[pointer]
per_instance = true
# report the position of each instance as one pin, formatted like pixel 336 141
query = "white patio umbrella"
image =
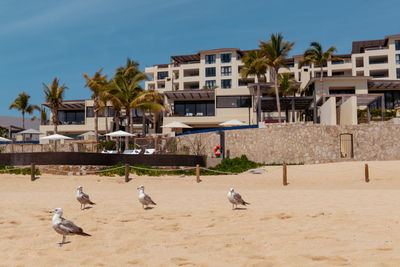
pixel 55 137
pixel 176 124
pixel 233 123
pixel 30 131
pixel 87 133
pixel 120 134
pixel 2 139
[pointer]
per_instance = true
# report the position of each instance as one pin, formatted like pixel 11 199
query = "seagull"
pixel 65 227
pixel 83 198
pixel 236 199
pixel 143 198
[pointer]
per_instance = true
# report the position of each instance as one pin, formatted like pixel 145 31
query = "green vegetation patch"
pixel 13 170
pixel 236 165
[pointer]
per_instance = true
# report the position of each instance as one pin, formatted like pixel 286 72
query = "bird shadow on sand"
pixel 66 242
pixel 240 209
pixel 149 208
pixel 87 208
pixel 129 179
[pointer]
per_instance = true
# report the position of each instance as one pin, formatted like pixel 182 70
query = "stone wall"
pixel 301 143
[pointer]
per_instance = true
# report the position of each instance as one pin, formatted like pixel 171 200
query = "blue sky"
pixel 43 39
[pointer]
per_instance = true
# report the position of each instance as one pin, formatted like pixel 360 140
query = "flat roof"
pixel 70 104
pixel 362 99
pixel 268 103
pixel 384 84
pixel 198 94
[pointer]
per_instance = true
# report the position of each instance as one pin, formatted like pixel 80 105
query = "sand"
pixel 326 216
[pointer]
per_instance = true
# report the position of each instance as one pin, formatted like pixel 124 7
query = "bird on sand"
pixel 235 199
pixel 83 198
pixel 65 227
pixel 144 199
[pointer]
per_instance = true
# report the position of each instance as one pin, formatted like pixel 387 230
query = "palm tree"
pixel 54 97
pixel 21 103
pixel 275 52
pixel 316 55
pixel 149 101
pixel 255 65
pixel 97 85
pixel 286 86
pixel 130 69
pixel 125 89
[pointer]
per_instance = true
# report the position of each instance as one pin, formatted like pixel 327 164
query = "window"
pixel 211 84
pixel 194 108
pixel 398 59
pixel 210 72
pixel 210 59
pixel 226 83
pixel 397 44
pixel 226 57
pixel 226 71
pixel 110 112
pixel 89 112
pixel 71 116
pixel 233 101
pixel 162 75
pixel 398 73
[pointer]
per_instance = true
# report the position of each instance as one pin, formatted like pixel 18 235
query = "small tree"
pixel 54 97
pixel 21 103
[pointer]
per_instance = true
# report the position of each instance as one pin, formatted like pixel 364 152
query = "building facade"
pixel 205 89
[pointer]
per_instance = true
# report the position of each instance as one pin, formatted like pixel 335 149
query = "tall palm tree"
pixel 149 101
pixel 130 69
pixel 21 103
pixel 125 89
pixel 286 86
pixel 255 65
pixel 97 85
pixel 54 97
pixel 320 58
pixel 275 52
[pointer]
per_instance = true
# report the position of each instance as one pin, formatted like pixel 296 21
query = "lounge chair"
pixel 149 151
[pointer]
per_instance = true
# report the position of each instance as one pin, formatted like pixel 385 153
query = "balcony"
pixel 378 60
pixel 379 73
pixel 191 73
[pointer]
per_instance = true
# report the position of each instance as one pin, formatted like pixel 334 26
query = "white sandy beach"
pixel 326 216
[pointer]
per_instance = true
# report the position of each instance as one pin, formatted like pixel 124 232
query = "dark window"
pixel 397 44
pixel 210 72
pixel 342 91
pixel 226 57
pixel 335 62
pixel 162 75
pixel 233 101
pixel 111 112
pixel 210 59
pixel 226 71
pixel 290 65
pixel 318 74
pixel 194 108
pixel 392 99
pixel 226 83
pixel 89 112
pixel 398 73
pixel 398 59
pixel 211 83
pixel 71 116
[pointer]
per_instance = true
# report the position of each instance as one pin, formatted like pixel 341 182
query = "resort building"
pixel 206 89
pixel 76 117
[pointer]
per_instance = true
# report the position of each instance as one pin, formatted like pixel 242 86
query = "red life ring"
pixel 217 151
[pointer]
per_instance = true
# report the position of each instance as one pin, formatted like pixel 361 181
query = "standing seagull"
pixel 143 198
pixel 65 227
pixel 236 199
pixel 83 198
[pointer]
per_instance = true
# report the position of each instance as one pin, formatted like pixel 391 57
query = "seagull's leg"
pixel 233 205
pixel 62 242
pixel 81 206
pixel 84 206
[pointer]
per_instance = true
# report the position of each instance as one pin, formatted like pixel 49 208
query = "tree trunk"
pixel 278 103
pixel 96 120
pixel 23 124
pixel 116 120
pixel 55 120
pixel 143 124
pixel 322 83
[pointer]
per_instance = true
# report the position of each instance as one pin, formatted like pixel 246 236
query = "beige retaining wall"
pixel 301 143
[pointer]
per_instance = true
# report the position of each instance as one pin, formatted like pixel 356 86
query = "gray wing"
pixel 69 227
pixel 238 199
pixel 149 200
